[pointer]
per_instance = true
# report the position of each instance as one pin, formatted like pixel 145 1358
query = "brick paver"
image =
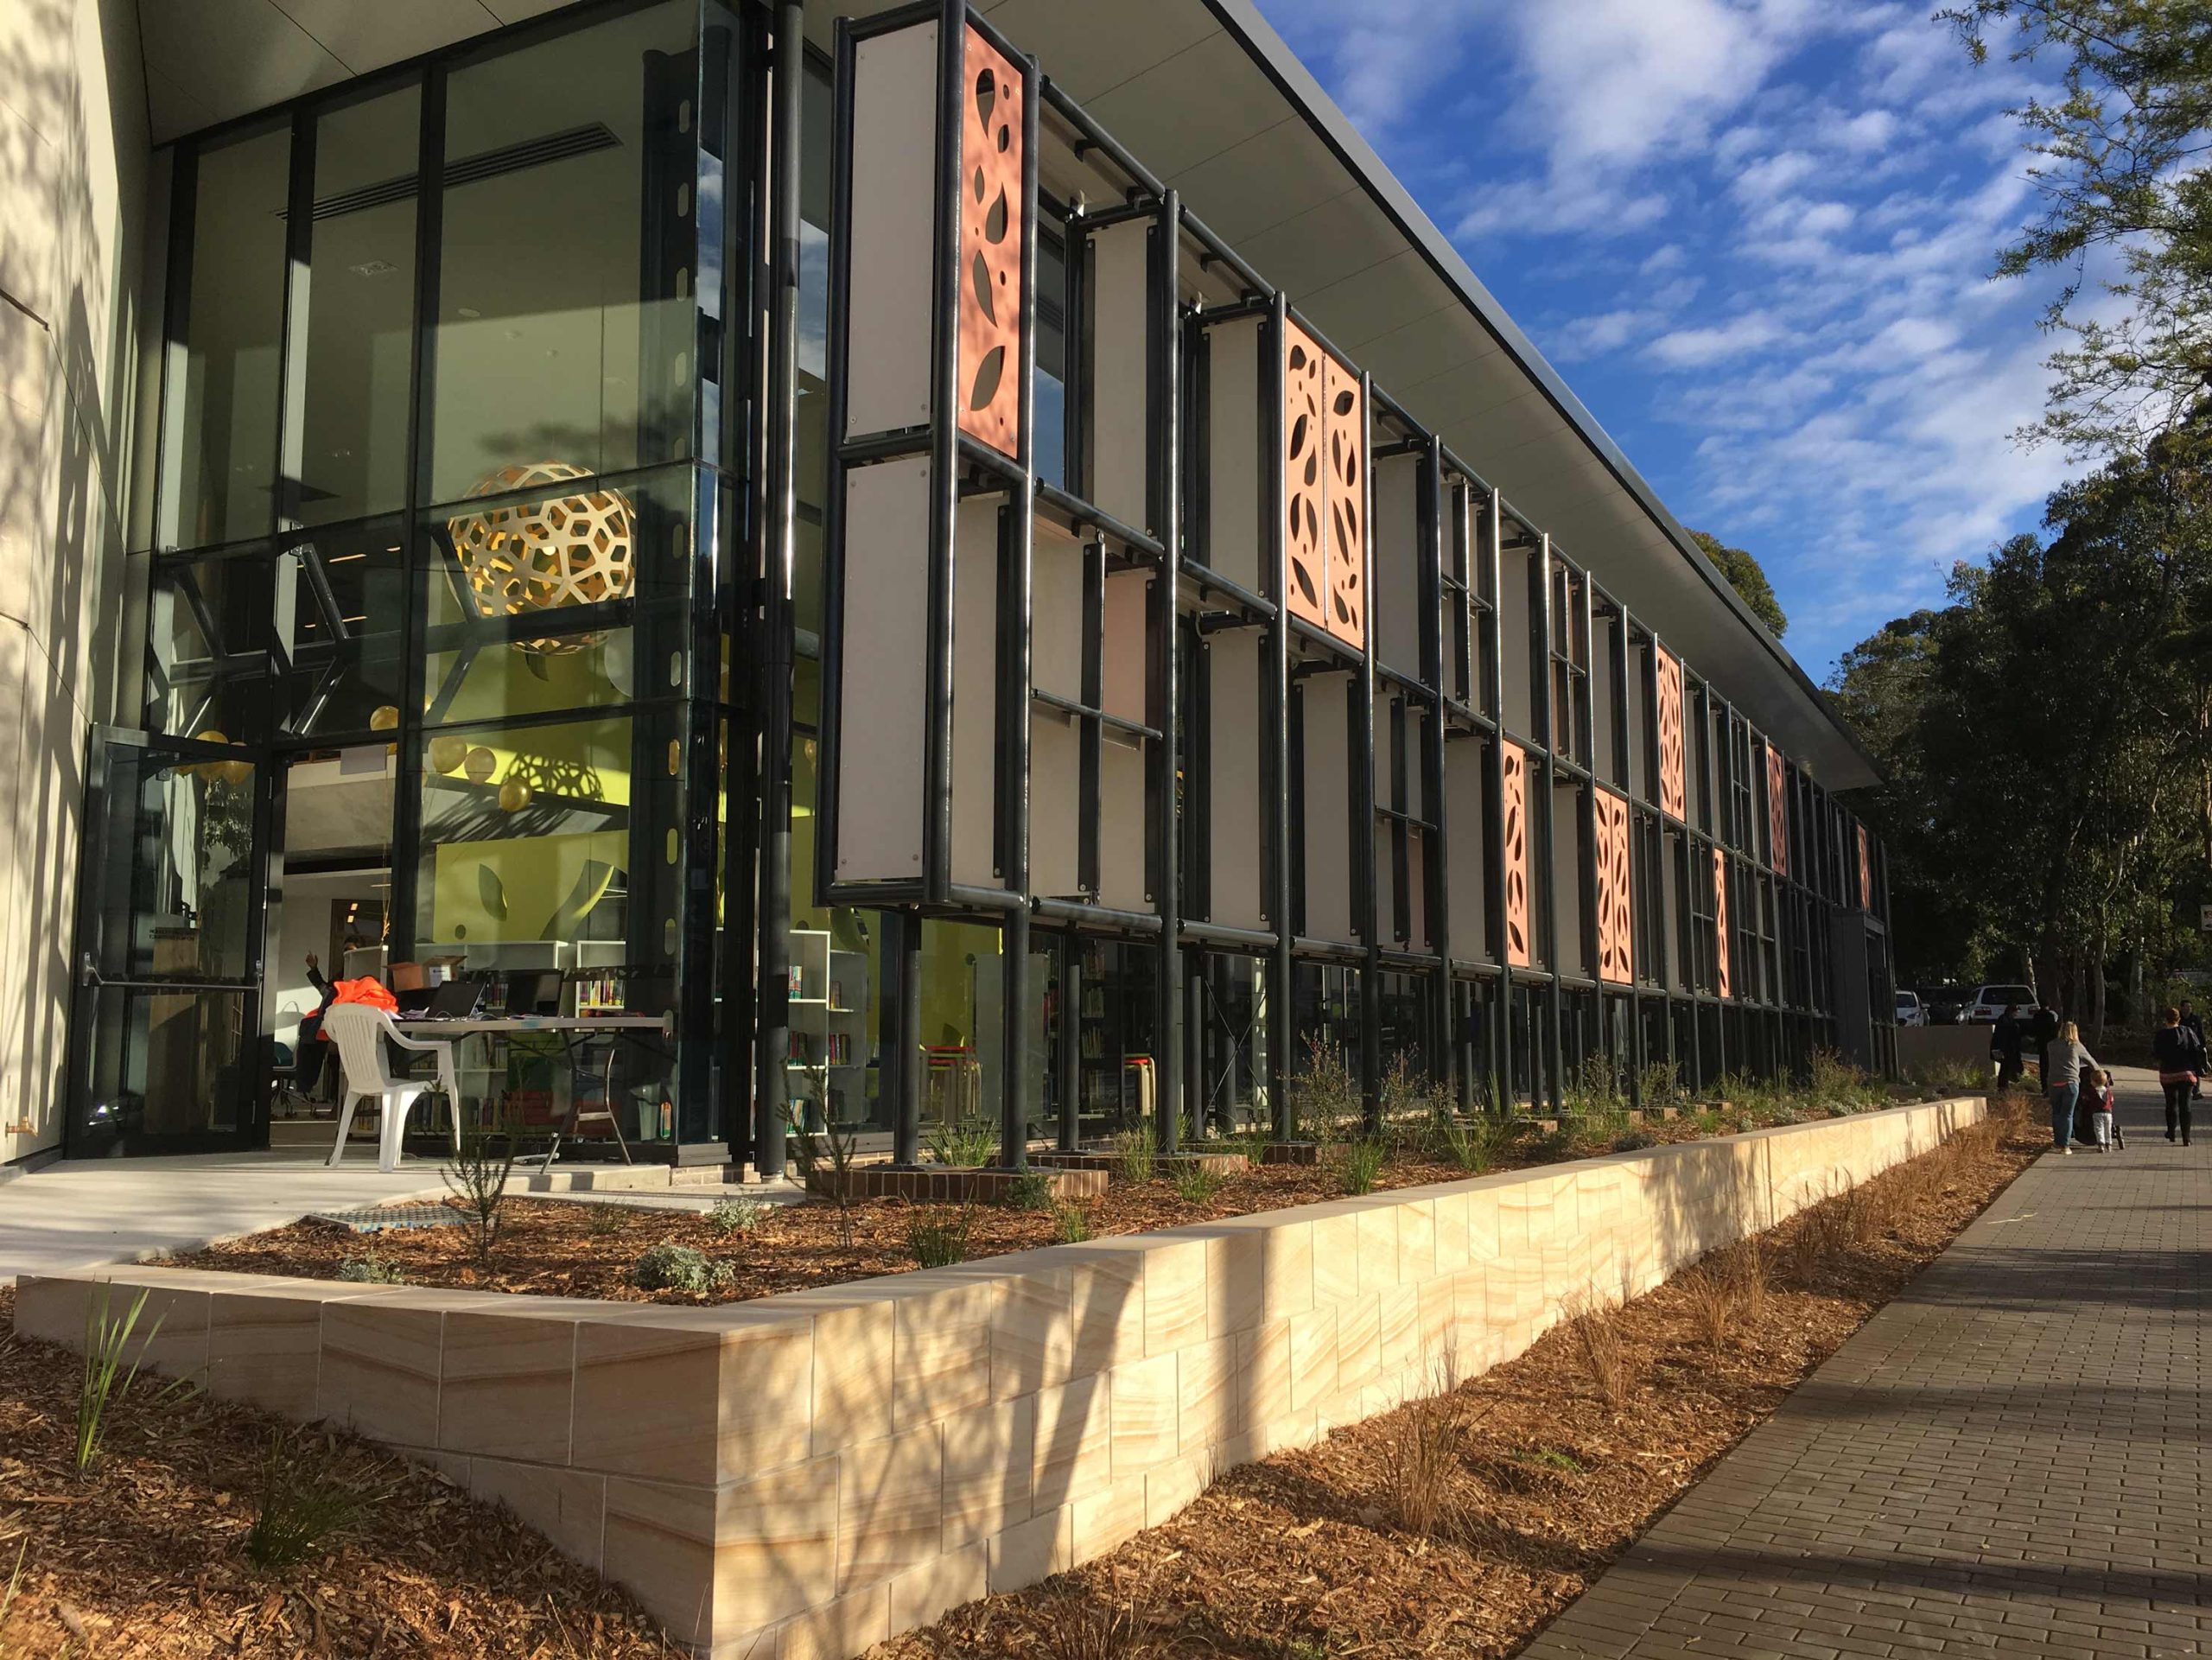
pixel 2008 1460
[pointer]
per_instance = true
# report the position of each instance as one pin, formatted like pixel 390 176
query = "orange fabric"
pixel 366 990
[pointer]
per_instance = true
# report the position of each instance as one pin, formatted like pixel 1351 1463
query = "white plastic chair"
pixel 359 1031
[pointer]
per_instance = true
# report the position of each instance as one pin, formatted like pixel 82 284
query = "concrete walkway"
pixel 2009 1459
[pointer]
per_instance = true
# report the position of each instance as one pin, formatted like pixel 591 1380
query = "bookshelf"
pixel 829 1027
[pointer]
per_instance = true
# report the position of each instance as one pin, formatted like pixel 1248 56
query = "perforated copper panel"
pixel 1778 810
pixel 1616 922
pixel 1673 799
pixel 991 217
pixel 1344 424
pixel 1865 872
pixel 1515 838
pixel 1720 921
pixel 1305 479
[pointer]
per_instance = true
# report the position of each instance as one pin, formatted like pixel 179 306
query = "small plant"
pixel 476 1176
pixel 1359 1165
pixel 605 1221
pixel 1030 1191
pixel 1324 1104
pixel 303 1508
pixel 1196 1184
pixel 1714 1298
pixel 1425 1459
pixel 1598 1340
pixel 1633 1140
pixel 371 1269
pixel 669 1266
pixel 15 1584
pixel 825 1160
pixel 1134 1159
pixel 937 1236
pixel 1658 1086
pixel 737 1216
pixel 104 1342
pixel 1550 1457
pixel 968 1145
pixel 1071 1222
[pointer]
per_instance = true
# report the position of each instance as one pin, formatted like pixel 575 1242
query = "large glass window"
pixel 566 323
pixel 341 600
pixel 359 303
pixel 221 437
pixel 207 648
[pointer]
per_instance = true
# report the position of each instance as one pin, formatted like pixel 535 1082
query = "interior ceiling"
pixel 1206 94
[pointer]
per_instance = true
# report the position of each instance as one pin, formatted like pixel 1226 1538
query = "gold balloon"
pixel 480 763
pixel 447 753
pixel 385 718
pixel 234 773
pixel 514 796
pixel 539 556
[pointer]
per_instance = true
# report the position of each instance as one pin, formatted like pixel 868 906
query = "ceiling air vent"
pixel 474 169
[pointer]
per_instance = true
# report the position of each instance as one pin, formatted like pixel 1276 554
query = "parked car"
pixel 1944 1005
pixel 1990 1003
pixel 1910 1012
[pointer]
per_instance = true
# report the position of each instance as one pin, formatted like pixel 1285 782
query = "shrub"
pixel 739 1216
pixel 1632 1140
pixel 303 1508
pixel 1714 1298
pixel 476 1176
pixel 104 1342
pixel 1657 1085
pixel 1359 1165
pixel 1196 1184
pixel 937 1236
pixel 1424 1457
pixel 1597 1333
pixel 826 1160
pixel 970 1145
pixel 669 1266
pixel 605 1221
pixel 371 1269
pixel 1594 1088
pixel 1133 1155
pixel 1071 1221
pixel 1030 1191
pixel 1324 1104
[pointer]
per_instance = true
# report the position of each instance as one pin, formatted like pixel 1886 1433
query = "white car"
pixel 1910 1012
pixel 1991 1001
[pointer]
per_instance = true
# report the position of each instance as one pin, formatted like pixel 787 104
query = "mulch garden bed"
pixel 1461 1525
pixel 147 1554
pixel 556 1248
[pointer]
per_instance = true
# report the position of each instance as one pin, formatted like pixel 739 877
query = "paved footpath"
pixel 2009 1459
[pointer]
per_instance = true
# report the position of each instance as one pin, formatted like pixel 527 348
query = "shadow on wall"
pixel 73 160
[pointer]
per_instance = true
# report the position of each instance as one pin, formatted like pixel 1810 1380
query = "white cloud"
pixel 1667 257
pixel 1686 348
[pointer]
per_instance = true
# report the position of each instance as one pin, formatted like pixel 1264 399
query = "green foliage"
pixel 1030 1191
pixel 1595 1087
pixel 1948 1077
pixel 669 1266
pixel 1475 1144
pixel 1657 1085
pixel 1071 1221
pixel 1324 1101
pixel 1550 1457
pixel 369 1268
pixel 303 1508
pixel 937 1235
pixel 1195 1184
pixel 605 1221
pixel 2119 164
pixel 968 1145
pixel 105 1341
pixel 825 1158
pixel 476 1176
pixel 1134 1157
pixel 1748 577
pixel 1359 1164
pixel 735 1216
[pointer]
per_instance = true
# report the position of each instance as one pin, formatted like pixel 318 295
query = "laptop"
pixel 414 1001
pixel 534 991
pixel 456 1000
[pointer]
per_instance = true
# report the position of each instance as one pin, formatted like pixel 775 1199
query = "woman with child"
pixel 2063 1075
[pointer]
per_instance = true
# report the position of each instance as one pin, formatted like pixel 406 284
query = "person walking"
pixel 2005 1039
pixel 2044 1030
pixel 2193 1021
pixel 2061 1082
pixel 2180 1055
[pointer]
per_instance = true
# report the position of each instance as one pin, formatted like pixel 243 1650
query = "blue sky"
pixel 1754 236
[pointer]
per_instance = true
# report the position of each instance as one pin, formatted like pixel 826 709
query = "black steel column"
pixel 1491 560
pixel 1019 1007
pixel 1546 722
pixel 1165 385
pixel 1281 1014
pixel 1437 891
pixel 780 505
pixel 1362 859
pixel 907 1040
pixel 1069 1058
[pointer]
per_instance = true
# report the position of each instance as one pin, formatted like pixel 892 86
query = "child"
pixel 2097 1101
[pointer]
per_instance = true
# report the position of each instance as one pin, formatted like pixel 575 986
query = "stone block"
pixel 1032 1550
pixel 1032 1332
pixel 1335 1259
pixel 942 1351
pixel 1074 1450
pixel 890 1506
pixel 848 1626
pixel 854 1341
pixel 990 1465
pixel 1236 1271
pixel 1286 1269
pixel 924 1594
pixel 1106 1302
pixel 567 1506
pixel 1174 1295
pixel 507 1385
pixel 1207 1407
pixel 1144 1414
pixel 379 1371
pixel 1107 1519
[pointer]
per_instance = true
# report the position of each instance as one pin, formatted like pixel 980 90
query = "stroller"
pixel 2096 1097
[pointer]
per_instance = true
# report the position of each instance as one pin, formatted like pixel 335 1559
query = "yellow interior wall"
pixel 538 874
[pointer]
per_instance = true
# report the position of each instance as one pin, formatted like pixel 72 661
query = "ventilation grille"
pixel 472 169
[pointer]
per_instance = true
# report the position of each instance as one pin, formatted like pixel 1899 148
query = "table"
pixel 493 1028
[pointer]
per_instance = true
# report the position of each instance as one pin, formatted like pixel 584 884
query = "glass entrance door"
pixel 168 1052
